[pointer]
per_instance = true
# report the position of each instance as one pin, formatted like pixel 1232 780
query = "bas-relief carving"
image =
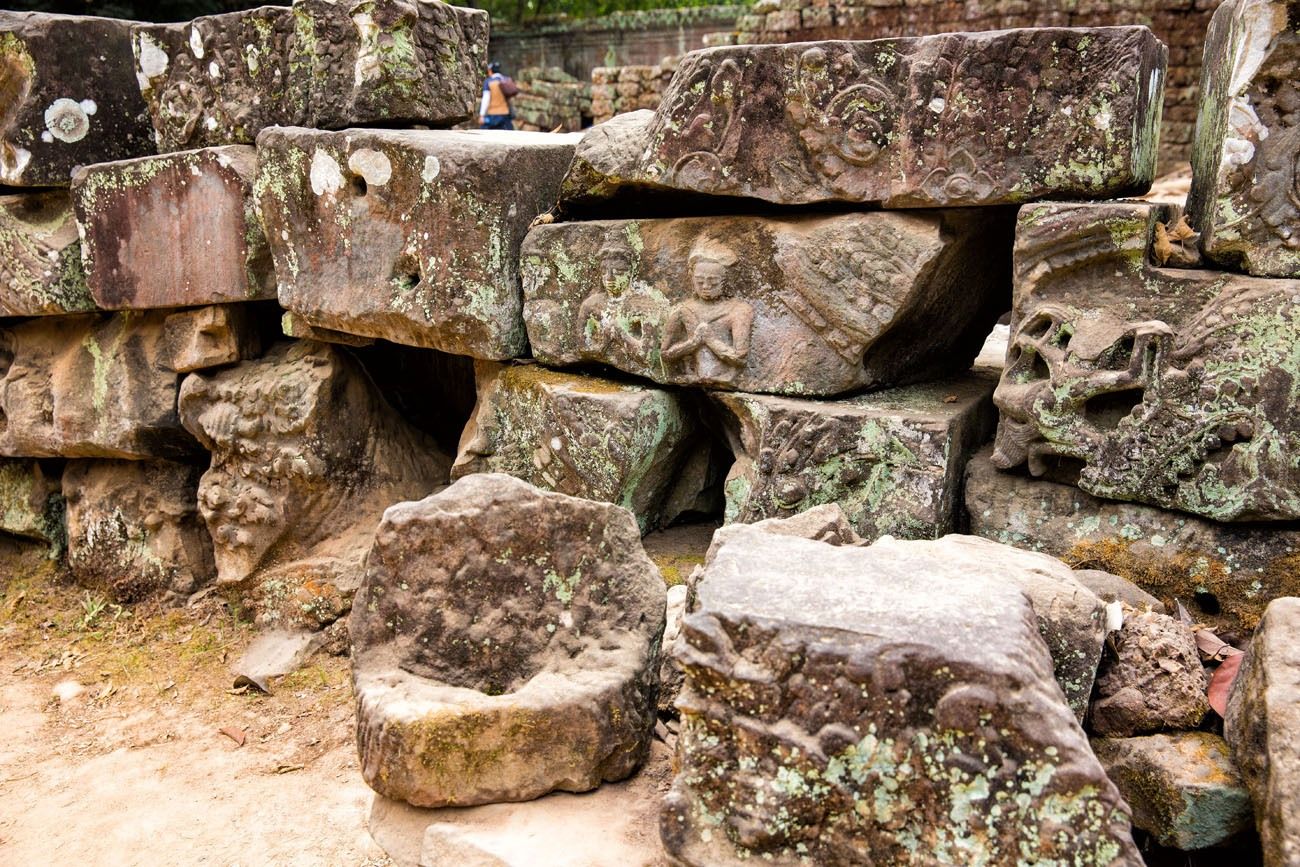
pixel 706 338
pixel 1175 388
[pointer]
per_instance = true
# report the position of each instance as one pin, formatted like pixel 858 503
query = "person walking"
pixel 494 110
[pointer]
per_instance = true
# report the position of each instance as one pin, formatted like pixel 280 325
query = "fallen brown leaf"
pixel 236 735
pixel 1221 682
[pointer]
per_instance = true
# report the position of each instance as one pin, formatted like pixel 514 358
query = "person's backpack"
pixel 508 87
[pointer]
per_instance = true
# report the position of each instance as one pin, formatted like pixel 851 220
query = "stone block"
pixel 1224 574
pixel 306 455
pixel 810 305
pixel 1183 788
pixel 584 436
pixel 177 230
pixel 41 271
pixel 1165 386
pixel 1260 725
pixel 105 386
pixel 950 120
pixel 221 79
pixel 892 460
pixel 605 158
pixel 1243 197
pixel 134 529
pixel 31 502
pixel 1150 679
pixel 411 236
pixel 841 701
pixel 70 97
pixel 505 645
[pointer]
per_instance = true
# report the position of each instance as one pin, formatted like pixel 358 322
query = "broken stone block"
pixel 1151 679
pixel 31 502
pixel 176 230
pixel 1223 573
pixel 293 326
pixel 892 460
pixel 1183 788
pixel 306 455
pixel 70 97
pixel 1113 588
pixel 843 700
pixel 40 256
pixel 134 529
pixel 1165 386
pixel 505 645
pixel 1243 198
pixel 937 121
pixel 810 305
pixel 411 236
pixel 221 79
pixel 104 386
pixel 604 162
pixel 580 435
pixel 1260 725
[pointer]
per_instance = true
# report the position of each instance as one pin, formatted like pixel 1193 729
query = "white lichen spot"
pixel 13 162
pixel 89 106
pixel 1102 119
pixel 196 42
pixel 210 122
pixel 372 165
pixel 153 60
pixel 326 176
pixel 66 120
pixel 938 104
pixel 47 137
pixel 432 168
pixel 214 70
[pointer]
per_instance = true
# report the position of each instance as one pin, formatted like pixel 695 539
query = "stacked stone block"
pixel 620 89
pixel 551 100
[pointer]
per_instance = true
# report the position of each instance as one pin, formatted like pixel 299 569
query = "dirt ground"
pixel 120 738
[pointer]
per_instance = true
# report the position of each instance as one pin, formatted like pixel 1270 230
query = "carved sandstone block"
pixel 1243 197
pixel 893 460
pixel 506 644
pixel 1223 573
pixel 955 119
pixel 842 700
pixel 306 455
pixel 580 435
pixel 411 236
pixel 813 305
pixel 70 97
pixel 221 79
pixel 134 529
pixel 1260 725
pixel 105 385
pixel 1172 387
pixel 31 502
pixel 41 271
pixel 176 230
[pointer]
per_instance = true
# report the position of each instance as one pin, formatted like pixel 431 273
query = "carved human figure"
pixel 708 335
pixel 612 317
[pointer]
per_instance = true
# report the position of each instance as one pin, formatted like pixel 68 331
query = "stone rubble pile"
pixel 247 364
pixel 551 100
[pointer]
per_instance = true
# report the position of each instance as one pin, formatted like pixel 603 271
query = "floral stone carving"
pixel 306 455
pixel 1245 196
pixel 410 236
pixel 947 120
pixel 221 79
pixel 892 460
pixel 814 305
pixel 1172 387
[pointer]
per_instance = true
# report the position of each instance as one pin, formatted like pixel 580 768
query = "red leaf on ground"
pixel 1221 682
pixel 236 735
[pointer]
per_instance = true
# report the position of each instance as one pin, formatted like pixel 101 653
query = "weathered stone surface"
pixel 580 435
pixel 1243 198
pixel 31 502
pixel 1183 788
pixel 40 257
pixel 306 455
pixel 292 325
pixel 176 230
pixel 506 645
pixel 1224 573
pixel 1114 588
pixel 1171 387
pixel 412 236
pixel 955 119
pixel 104 386
pixel 813 305
pixel 205 337
pixel 605 160
pixel 221 79
pixel 70 97
pixel 893 460
pixel 842 701
pixel 1260 727
pixel 1151 679
pixel 134 529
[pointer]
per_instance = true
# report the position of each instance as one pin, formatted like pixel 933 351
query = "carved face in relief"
pixel 707 279
pixel 615 271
